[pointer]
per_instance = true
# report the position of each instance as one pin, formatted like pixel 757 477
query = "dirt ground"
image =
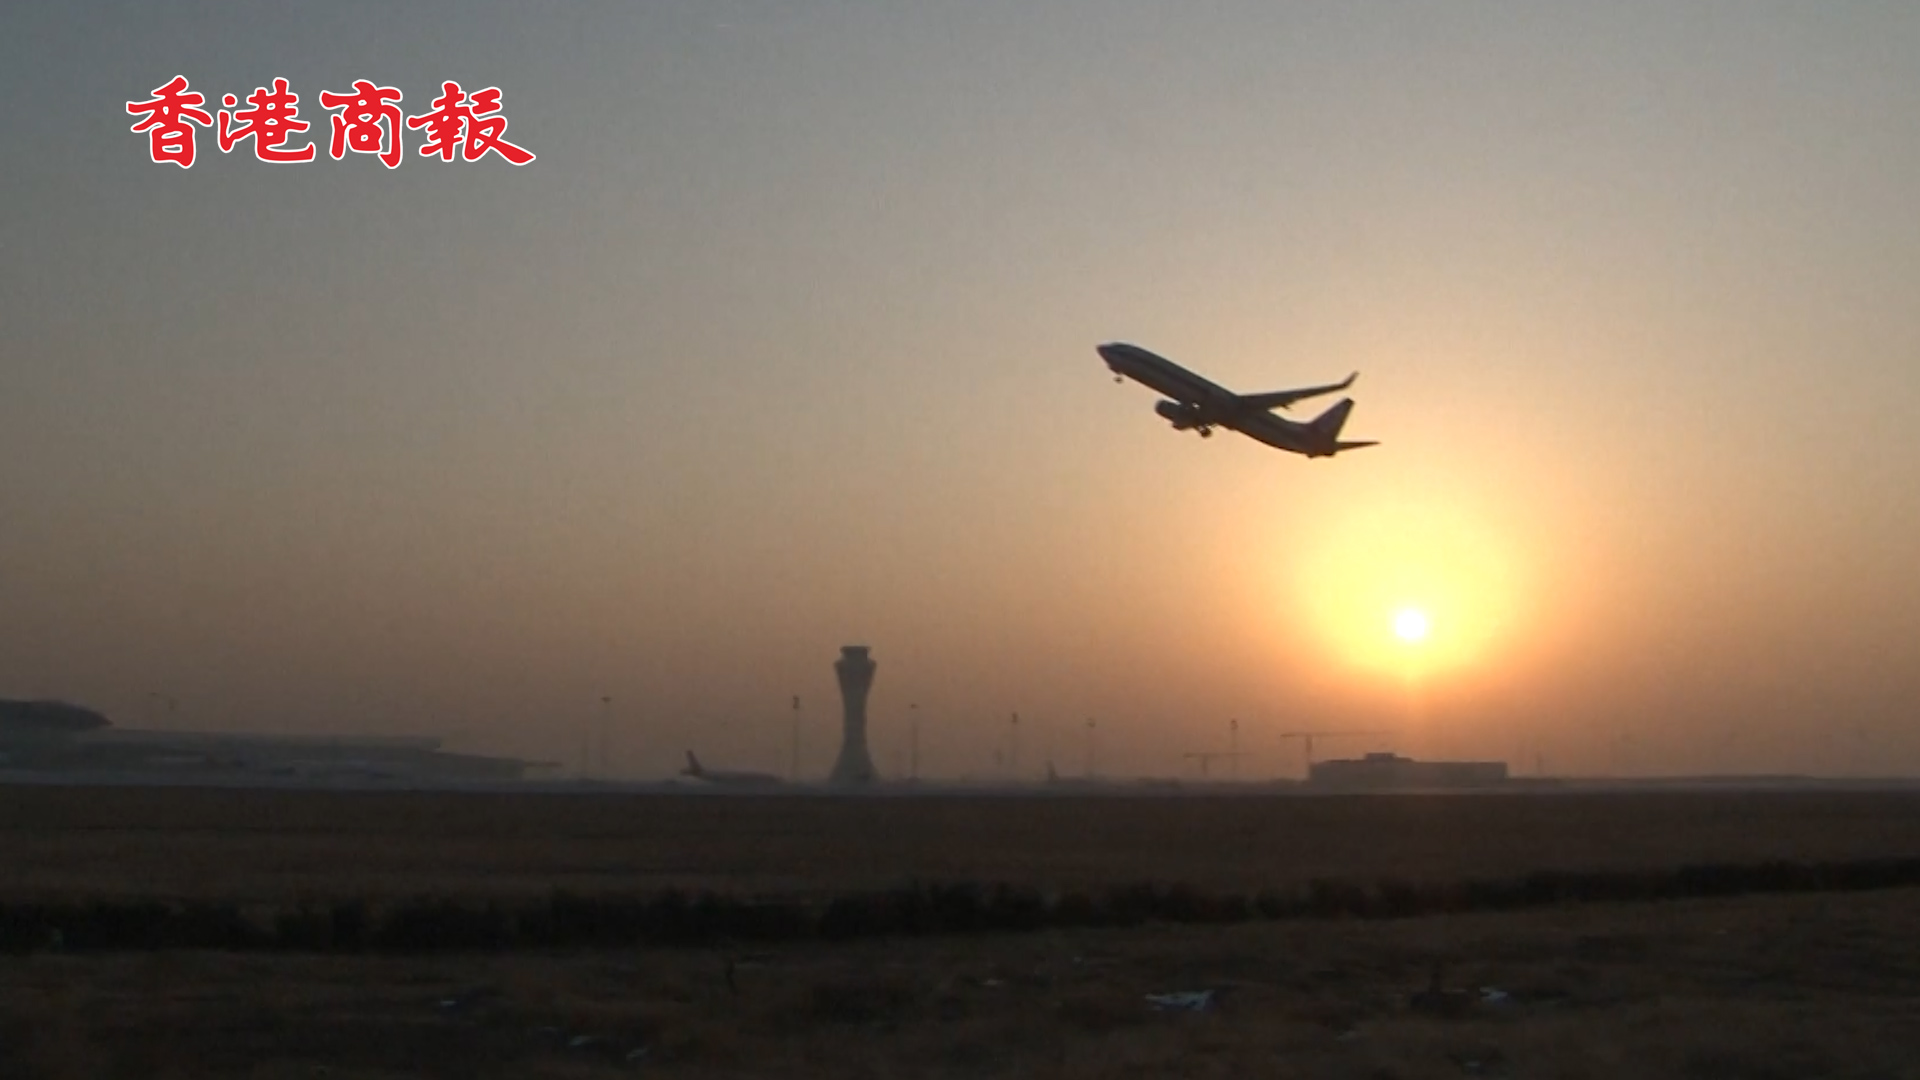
pixel 1765 987
pixel 277 846
pixel 1806 986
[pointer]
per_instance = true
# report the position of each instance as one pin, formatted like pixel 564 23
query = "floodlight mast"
pixel 913 741
pixel 793 767
pixel 606 736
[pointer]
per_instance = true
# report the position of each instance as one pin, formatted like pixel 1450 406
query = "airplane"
pixel 1199 405
pixel 727 778
pixel 1103 783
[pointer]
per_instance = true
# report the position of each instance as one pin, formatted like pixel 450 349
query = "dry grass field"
pixel 1758 989
pixel 275 846
pixel 1752 988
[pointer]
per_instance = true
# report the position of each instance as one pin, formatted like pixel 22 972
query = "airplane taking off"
pixel 1201 406
pixel 727 778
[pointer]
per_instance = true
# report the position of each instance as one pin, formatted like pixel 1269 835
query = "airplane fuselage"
pixel 739 779
pixel 727 777
pixel 1159 373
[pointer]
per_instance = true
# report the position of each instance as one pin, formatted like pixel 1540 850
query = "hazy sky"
pixel 785 341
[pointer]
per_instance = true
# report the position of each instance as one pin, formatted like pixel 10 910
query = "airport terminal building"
pixel 54 738
pixel 1391 772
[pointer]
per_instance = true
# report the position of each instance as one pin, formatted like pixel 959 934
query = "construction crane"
pixel 1205 758
pixel 1306 738
pixel 1231 753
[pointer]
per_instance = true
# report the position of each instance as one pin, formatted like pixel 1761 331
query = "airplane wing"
pixel 1280 399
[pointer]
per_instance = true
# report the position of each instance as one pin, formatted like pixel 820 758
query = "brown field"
pixel 1755 988
pixel 276 846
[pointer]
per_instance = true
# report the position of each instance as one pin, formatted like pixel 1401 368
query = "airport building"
pixel 1391 772
pixel 53 738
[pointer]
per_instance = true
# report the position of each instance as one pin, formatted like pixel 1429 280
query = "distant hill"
pixel 49 717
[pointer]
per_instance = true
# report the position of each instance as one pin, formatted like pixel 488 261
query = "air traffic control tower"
pixel 855 765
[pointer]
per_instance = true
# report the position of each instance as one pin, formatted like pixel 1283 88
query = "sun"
pixel 1411 625
pixel 1410 587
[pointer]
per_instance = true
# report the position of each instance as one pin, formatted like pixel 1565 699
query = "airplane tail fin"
pixel 1326 427
pixel 693 766
pixel 1328 424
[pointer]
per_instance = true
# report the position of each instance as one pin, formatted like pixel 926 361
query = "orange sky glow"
pixel 786 339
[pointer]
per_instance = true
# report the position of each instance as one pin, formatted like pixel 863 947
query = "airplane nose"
pixel 1109 352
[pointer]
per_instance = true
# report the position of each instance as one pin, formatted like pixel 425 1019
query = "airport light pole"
pixel 606 735
pixel 793 770
pixel 586 748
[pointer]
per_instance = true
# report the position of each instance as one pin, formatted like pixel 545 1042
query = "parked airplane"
pixel 1102 783
pixel 727 778
pixel 1199 405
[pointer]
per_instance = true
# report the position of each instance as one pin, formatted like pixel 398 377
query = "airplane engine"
pixel 1181 416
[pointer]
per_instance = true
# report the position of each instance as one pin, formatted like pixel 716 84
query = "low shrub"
pixel 676 918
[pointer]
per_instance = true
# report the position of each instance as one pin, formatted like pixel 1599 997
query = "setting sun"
pixel 1440 582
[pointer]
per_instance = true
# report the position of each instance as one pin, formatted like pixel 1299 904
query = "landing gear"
pixel 1206 433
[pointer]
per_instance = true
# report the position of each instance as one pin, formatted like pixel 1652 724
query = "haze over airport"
pixel 786 340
